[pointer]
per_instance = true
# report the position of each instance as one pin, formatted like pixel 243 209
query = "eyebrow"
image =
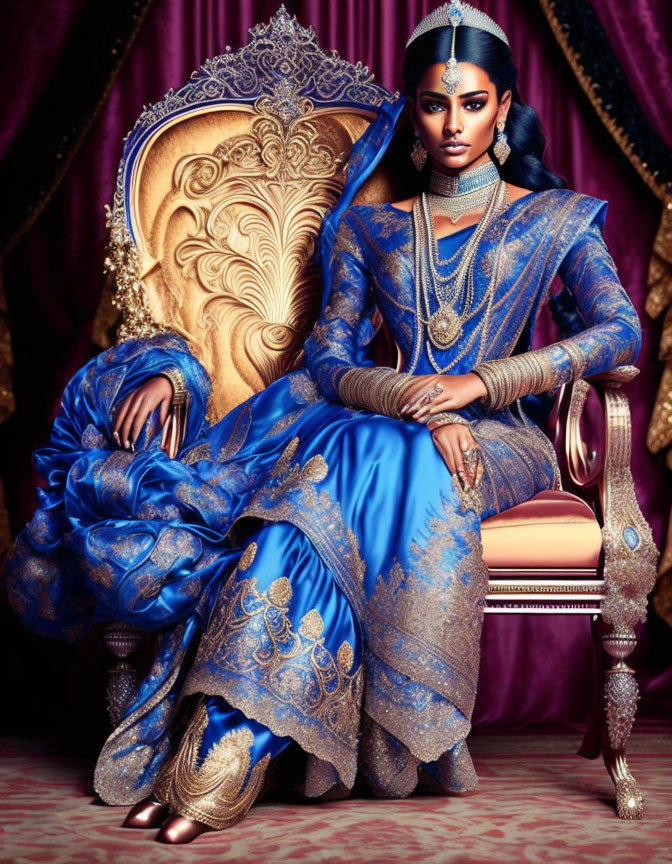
pixel 435 95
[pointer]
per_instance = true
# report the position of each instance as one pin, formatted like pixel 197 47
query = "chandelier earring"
pixel 501 148
pixel 418 153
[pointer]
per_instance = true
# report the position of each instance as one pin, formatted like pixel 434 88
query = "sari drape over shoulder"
pixel 311 568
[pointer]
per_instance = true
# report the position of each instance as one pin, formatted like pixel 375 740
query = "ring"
pixel 471 458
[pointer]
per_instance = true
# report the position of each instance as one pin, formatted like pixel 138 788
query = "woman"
pixel 312 562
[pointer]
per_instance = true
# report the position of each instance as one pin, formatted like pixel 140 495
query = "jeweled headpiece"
pixel 452 15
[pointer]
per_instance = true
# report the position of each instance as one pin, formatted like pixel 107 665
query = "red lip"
pixel 448 144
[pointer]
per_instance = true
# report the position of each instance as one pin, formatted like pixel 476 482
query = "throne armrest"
pixel 616 377
pixel 630 555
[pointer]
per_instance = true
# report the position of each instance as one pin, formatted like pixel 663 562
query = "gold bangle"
pixel 176 378
pixel 446 418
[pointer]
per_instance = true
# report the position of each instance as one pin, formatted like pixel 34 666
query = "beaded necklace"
pixel 444 326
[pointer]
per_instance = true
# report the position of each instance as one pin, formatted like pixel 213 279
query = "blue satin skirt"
pixel 313 573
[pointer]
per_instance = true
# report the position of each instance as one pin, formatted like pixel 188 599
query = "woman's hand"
pixel 138 406
pixel 460 452
pixel 430 394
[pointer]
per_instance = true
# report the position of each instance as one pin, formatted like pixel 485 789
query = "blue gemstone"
pixel 631 537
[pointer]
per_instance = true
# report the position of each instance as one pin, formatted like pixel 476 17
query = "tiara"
pixel 454 13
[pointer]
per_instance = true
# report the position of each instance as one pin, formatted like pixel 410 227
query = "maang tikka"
pixel 452 75
pixel 452 15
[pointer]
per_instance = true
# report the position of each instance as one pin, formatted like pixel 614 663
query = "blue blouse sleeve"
pixel 340 339
pixel 609 336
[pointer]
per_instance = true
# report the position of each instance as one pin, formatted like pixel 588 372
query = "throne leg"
pixel 620 702
pixel 122 684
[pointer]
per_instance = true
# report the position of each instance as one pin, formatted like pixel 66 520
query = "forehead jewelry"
pixel 452 75
pixel 452 15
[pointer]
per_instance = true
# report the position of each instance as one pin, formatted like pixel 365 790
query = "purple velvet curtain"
pixel 535 669
pixel 640 35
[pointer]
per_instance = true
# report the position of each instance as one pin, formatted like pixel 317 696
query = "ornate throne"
pixel 221 191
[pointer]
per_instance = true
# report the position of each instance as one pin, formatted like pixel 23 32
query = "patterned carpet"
pixel 537 802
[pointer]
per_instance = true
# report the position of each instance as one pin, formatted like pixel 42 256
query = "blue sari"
pixel 312 571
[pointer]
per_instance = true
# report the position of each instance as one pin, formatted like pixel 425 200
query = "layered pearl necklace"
pixel 468 192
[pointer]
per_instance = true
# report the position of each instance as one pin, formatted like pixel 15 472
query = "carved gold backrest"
pixel 221 193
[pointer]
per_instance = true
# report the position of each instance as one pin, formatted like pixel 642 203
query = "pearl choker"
pixel 467 192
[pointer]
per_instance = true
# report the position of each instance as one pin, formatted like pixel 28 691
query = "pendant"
pixel 444 327
pixel 451 76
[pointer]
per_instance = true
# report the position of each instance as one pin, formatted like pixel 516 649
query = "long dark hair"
pixel 525 165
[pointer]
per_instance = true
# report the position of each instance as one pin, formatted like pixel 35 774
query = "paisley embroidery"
pixel 253 654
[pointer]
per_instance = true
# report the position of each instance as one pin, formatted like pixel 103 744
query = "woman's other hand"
pixel 460 452
pixel 431 394
pixel 138 406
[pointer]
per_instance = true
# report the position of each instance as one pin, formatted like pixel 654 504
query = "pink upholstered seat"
pixel 550 528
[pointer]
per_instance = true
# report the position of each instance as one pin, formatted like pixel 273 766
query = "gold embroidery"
pixel 285 422
pixel 248 556
pixel 103 575
pixel 312 625
pixel 428 626
pixel 214 794
pixel 251 655
pixel 283 464
pixel 197 453
pixel 174 543
pixel 345 655
pixel 389 767
pixel 321 777
pixel 111 472
pixel 303 388
pixel 93 439
pixel 280 591
pixel 517 458
pixel 335 542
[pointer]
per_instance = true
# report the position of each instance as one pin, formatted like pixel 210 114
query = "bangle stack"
pixel 375 388
pixel 532 372
pixel 508 379
pixel 176 378
pixel 174 428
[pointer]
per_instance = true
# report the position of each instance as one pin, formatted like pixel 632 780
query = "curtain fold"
pixel 76 51
pixel 53 280
pixel 623 63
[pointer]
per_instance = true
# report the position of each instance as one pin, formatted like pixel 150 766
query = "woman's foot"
pixel 178 829
pixel 146 814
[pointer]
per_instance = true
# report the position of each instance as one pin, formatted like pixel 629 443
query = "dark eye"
pixel 474 104
pixel 432 107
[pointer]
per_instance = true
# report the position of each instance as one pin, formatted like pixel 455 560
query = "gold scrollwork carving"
pixel 256 204
pixel 223 258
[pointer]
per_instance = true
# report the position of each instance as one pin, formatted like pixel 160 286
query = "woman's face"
pixel 457 130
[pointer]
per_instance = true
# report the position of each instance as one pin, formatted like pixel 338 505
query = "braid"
pixel 525 165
